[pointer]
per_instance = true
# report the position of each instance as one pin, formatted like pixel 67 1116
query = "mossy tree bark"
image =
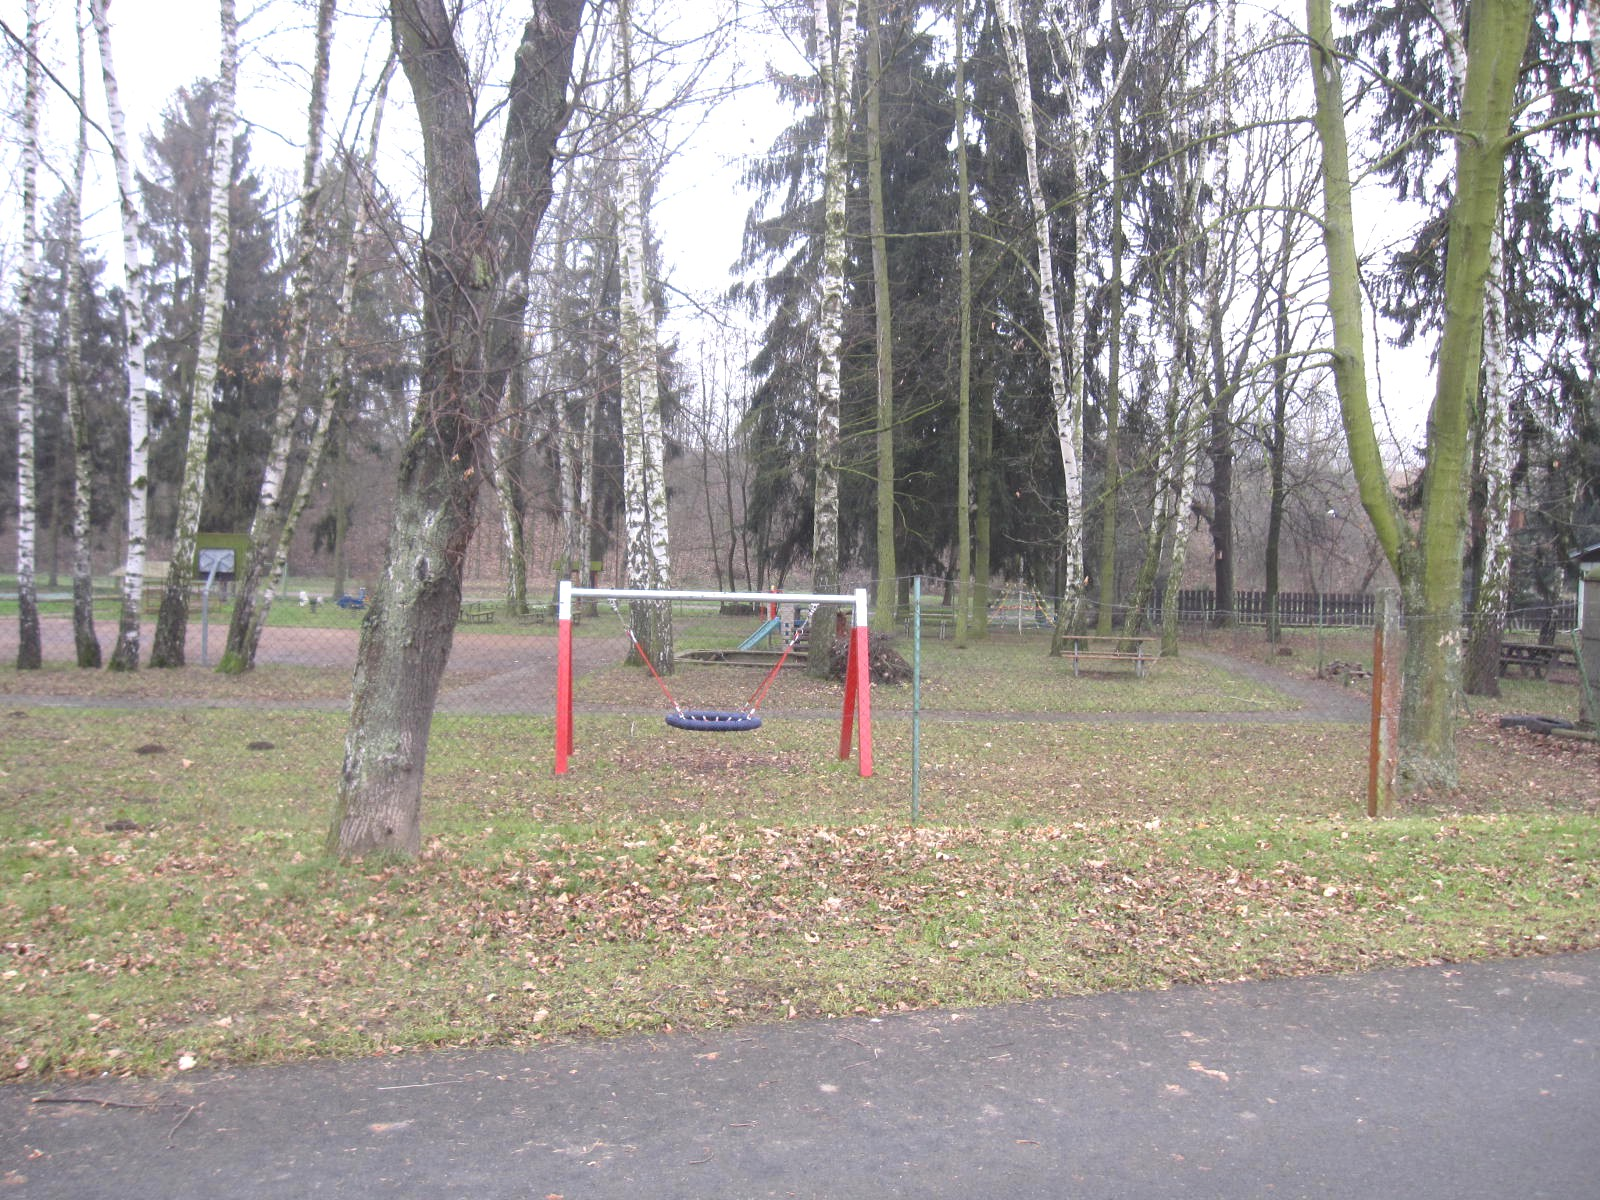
pixel 1427 560
pixel 472 318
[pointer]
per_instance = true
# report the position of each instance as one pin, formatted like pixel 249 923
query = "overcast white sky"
pixel 161 45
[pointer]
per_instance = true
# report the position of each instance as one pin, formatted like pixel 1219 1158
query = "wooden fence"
pixel 1311 609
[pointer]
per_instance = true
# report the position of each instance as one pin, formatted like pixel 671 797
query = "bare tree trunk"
pixel 1428 561
pixel 335 389
pixel 125 657
pixel 172 625
pixel 1277 432
pixel 471 251
pixel 963 514
pixel 257 584
pixel 1069 416
pixel 1110 490
pixel 85 642
pixel 643 443
pixel 883 615
pixel 837 55
pixel 30 655
pixel 510 447
pixel 1493 588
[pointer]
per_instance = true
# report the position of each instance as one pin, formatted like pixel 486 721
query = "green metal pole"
pixel 916 697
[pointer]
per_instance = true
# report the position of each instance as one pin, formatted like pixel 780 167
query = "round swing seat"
pixel 709 720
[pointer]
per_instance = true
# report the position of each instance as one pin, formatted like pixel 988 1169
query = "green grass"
pixel 168 897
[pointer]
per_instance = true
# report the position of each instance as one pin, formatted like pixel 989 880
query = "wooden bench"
pixel 1531 658
pixel 537 614
pixel 1118 648
pixel 476 612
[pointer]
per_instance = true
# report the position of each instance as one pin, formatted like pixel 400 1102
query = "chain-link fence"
pixel 1013 665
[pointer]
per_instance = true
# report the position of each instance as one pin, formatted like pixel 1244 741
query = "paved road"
pixel 1479 1082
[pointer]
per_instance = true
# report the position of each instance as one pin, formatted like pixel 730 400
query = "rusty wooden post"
pixel 1385 713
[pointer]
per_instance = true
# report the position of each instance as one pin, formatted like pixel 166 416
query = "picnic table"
pixel 477 612
pixel 1532 658
pixel 1117 648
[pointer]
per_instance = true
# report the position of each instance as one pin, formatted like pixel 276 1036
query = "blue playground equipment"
pixel 760 635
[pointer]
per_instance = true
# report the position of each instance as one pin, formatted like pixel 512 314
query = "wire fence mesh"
pixel 1014 668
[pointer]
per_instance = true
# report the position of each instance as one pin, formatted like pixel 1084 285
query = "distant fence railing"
pixel 1311 609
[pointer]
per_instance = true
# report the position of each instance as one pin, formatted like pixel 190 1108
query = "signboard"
pixel 219 561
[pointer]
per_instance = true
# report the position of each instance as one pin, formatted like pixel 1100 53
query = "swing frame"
pixel 857 686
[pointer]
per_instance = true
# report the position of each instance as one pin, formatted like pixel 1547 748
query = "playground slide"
pixel 751 642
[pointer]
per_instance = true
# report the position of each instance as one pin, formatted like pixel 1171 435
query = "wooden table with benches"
pixel 1089 648
pixel 1531 658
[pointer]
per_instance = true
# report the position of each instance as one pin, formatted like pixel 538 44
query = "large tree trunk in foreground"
pixel 1428 560
pixel 472 321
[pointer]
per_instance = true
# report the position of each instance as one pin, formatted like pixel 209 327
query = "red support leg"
pixel 563 694
pixel 863 669
pixel 857 694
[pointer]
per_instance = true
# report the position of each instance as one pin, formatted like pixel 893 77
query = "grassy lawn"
pixel 168 900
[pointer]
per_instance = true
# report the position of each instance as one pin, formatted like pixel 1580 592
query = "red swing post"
pixel 858 688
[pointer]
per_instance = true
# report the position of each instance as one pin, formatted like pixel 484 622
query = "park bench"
pixel 1531 658
pixel 536 614
pixel 937 623
pixel 476 612
pixel 1118 648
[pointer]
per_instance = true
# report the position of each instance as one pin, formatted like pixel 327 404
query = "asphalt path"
pixel 1473 1082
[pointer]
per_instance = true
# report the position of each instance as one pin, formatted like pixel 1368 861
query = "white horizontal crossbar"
pixel 857 599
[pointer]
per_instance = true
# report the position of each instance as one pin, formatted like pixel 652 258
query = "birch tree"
pixel 257 590
pixel 836 53
pixel 1427 556
pixel 30 655
pixel 643 436
pixel 86 644
pixel 475 250
pixel 172 624
pixel 1068 411
pixel 125 657
pixel 335 382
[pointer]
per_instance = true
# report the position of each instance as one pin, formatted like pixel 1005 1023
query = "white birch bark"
pixel 257 586
pixel 30 655
pixel 643 438
pixel 86 644
pixel 135 328
pixel 167 650
pixel 837 57
pixel 1069 435
pixel 1496 454
pixel 510 443
pixel 334 386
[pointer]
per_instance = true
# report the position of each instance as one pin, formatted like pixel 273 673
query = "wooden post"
pixel 1381 754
